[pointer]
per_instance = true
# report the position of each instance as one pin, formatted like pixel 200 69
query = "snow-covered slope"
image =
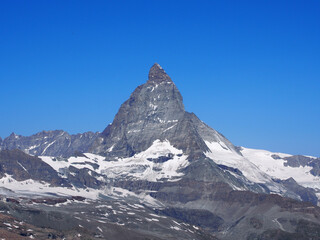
pixel 32 187
pixel 221 154
pixel 277 168
pixel 159 162
pixel 261 166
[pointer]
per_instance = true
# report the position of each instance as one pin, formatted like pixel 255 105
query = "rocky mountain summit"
pixel 155 111
pixel 156 172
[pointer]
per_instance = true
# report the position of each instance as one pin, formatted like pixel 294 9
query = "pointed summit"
pixel 158 75
pixel 155 112
pixel 13 135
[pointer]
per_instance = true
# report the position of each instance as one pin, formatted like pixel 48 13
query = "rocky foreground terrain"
pixel 156 172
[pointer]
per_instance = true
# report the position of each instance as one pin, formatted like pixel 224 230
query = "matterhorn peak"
pixel 155 112
pixel 158 75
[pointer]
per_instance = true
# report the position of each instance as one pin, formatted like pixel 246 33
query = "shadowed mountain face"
pixel 154 111
pixel 23 167
pixel 56 143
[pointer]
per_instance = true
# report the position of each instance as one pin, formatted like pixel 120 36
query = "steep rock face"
pixel 19 166
pixel 298 160
pixel 155 111
pixel 83 178
pixel 56 143
pixel 306 194
pixel 22 166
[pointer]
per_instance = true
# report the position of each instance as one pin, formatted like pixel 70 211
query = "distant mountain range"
pixel 156 172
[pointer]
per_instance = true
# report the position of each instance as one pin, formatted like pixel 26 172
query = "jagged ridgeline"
pixel 155 111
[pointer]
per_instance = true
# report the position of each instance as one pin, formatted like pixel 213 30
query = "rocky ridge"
pixel 155 111
pixel 56 143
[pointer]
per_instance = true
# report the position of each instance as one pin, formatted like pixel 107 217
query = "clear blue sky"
pixel 250 69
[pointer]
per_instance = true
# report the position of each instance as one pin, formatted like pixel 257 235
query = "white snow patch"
pixel 221 154
pixel 176 222
pixel 275 167
pixel 134 131
pixel 139 167
pixel 260 167
pixel 152 219
pixel 31 186
pixel 175 228
pixel 170 127
pixel 278 223
pixel 159 66
pixel 100 221
pixel 154 215
pixel 44 150
pixel 22 167
pixel 120 193
pixel 154 107
pixel 32 147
